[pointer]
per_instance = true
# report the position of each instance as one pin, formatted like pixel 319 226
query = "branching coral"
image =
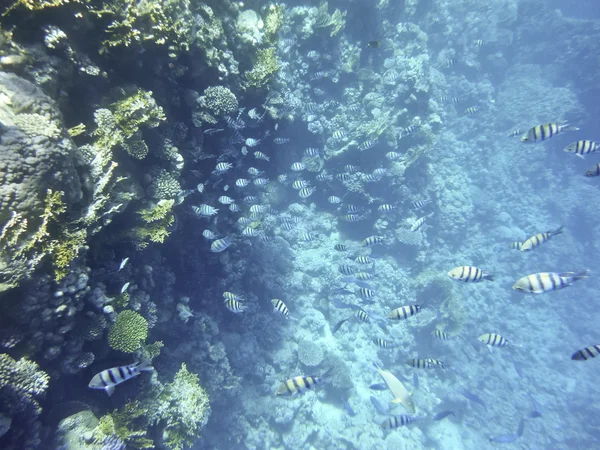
pixel 22 381
pixel 158 212
pixel 265 66
pixel 336 21
pixel 137 110
pixel 128 332
pixel 273 22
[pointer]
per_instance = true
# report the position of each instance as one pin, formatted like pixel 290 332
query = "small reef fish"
pixel 392 156
pixel 378 406
pixel 338 135
pixel 538 283
pixel 447 99
pixel 254 171
pixel 516 245
pixel 450 62
pixel 251 142
pixel 471 110
pixel 334 200
pixel 543 132
pixel 222 167
pixel 374 44
pixel 469 274
pixel 443 414
pixel 307 237
pixel 441 335
pixel 306 192
pixel 371 241
pixel 419 222
pixel 311 151
pixel 125 287
pixel 412 129
pixel 364 276
pixel 479 43
pixel 349 409
pixel 340 247
pixel 400 393
pixel 594 171
pixel 365 293
pixel 300 184
pixel 281 308
pixel 261 155
pixel 234 306
pixel 123 264
pixel 297 166
pixel 298 385
pixel 108 379
pixel 428 363
pixel 366 145
pixel 205 210
pixel 234 208
pixel 404 312
pixel 220 244
pixel 280 141
pixel 337 326
pixel 516 133
pixel 420 204
pixel 382 343
pixel 508 438
pixel 473 398
pixel 396 422
pixel 242 182
pixel 364 260
pixel 362 315
pixel 224 200
pixel 378 387
pixel 495 340
pixel 539 239
pixel 385 208
pixel 211 131
pixel 581 148
pixel 231 296
pixel 586 353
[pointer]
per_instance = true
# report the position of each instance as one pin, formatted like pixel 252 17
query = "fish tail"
pixel 488 276
pixel 145 366
pixel 559 230
pixel 567 127
pixel 578 276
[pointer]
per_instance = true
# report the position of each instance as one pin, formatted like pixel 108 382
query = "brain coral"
pixel 129 332
pixel 310 354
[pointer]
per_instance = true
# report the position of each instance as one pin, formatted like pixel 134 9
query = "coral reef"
pixel 214 104
pixel 128 332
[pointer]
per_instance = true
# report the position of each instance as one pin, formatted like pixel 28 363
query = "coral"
pixel 160 211
pixel 22 379
pixel 155 232
pixel 310 354
pixel 137 149
pixel 215 103
pixel 273 22
pixel 184 408
pixel 151 351
pixel 127 424
pixel 136 110
pixel 37 125
pixel 128 332
pixel 323 19
pixel 249 26
pixel 164 185
pixel 265 65
pixel 66 250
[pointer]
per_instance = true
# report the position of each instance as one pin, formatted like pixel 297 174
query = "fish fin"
pixel 579 156
pixel 490 349
pixel 145 366
pixel 109 390
pixel 568 127
pixel 559 230
pixel 488 276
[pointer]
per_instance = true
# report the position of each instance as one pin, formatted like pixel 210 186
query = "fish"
pixel 334 200
pixel 343 176
pixel 222 167
pixel 471 110
pixel 371 240
pixel 516 245
pixel 586 353
pixel 250 231
pixel 508 438
pixel 313 54
pixel 123 263
pixel 581 148
pixel 108 379
pixel 450 62
pixel 251 142
pixel 211 131
pixel 546 131
pixel 396 422
pixel 125 287
pixel 250 199
pixel 359 283
pixel 349 409
pixel 220 245
pixel 346 270
pixel 364 260
pixel 298 385
pixel 231 296
pixel 494 340
pixel 340 247
pixel 297 166
pixel 415 380
pixel 374 44
pixel 242 182
pixel 224 200
pixel 443 414
pixel 538 283
pixel 378 406
pixel 469 274
pixel 234 208
pixel 419 222
pixel 378 387
pixel 448 99
pixel 324 176
pixel 441 335
pixel 539 239
pixel 300 184
pixel 428 363
pixel 234 306
pixel 306 192
pixel 412 129
pixel 260 181
pixel 392 156
pixel 382 343
pixel 366 145
pixel 337 326
pixel 307 237
pixel 362 315
pixel 204 210
pixel 594 171
pixel 261 155
pixel 209 235
pixel 254 171
pixel 365 293
pixel 338 135
pixel 311 151
pixel 386 207
pixel 516 133
pixel 404 312
pixel 480 42
pixel 280 141
pixel 420 204
pixel 473 398
pixel 280 307
pixel 400 393
pixel 365 276
pixel 200 188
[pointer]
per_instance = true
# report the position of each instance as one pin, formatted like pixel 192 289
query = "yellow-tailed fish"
pixel 538 283
pixel 400 393
pixel 469 274
pixel 543 132
pixel 539 239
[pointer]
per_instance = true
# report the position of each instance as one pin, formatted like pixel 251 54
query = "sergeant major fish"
pixel 469 274
pixel 108 379
pixel 543 132
pixel 419 222
pixel 539 239
pixel 299 385
pixel 538 283
pixel 581 148
pixel 280 307
pixel 586 353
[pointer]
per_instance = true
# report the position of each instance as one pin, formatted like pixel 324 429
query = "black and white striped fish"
pixel 581 148
pixel 469 274
pixel 540 133
pixel 538 283
pixel 108 379
pixel 586 353
pixel 280 307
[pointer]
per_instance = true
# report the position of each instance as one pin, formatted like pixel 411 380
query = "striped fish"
pixel 306 192
pixel 346 270
pixel 364 276
pixel 338 135
pixel 334 200
pixel 108 379
pixel 220 244
pixel 420 204
pixel 441 335
pixel 516 245
pixel 382 343
pixel 586 353
pixel 538 283
pixel 404 312
pixel 297 166
pixel 280 307
pixel 396 422
pixel 419 222
pixel 364 260
pixel 371 240
pixel 392 156
pixel 365 293
pixel 204 210
pixel 428 363
pixel 297 385
pixel 581 148
pixel 362 315
pixel 471 110
pixel 539 239
pixel 385 208
pixel 540 133
pixel 232 296
pixel 300 184
pixel 494 340
pixel 594 171
pixel 340 247
pixel 516 133
pixel 469 274
pixel 234 306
